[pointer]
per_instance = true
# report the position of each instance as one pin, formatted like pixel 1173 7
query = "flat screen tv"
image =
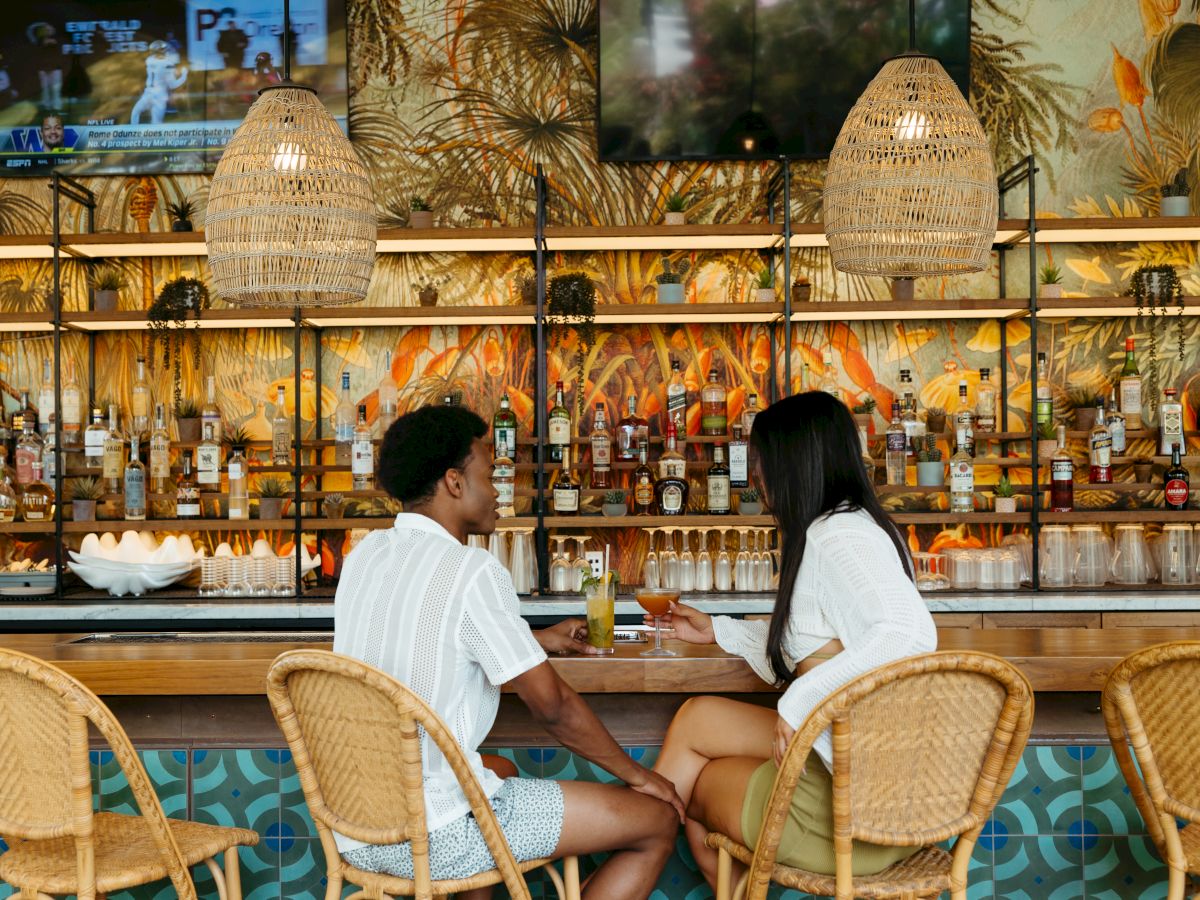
pixel 151 86
pixel 728 79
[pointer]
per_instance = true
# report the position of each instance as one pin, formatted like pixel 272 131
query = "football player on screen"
pixel 163 75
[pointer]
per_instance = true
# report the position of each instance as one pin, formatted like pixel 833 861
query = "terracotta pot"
pixel 1050 291
pixel 931 474
pixel 765 295
pixel 1046 448
pixel 1143 472
pixel 83 510
pixel 801 293
pixel 935 424
pixel 1085 418
pixel 420 218
pixel 105 301
pixel 271 507
pixel 181 225
pixel 189 429
pixel 863 421
pixel 612 510
pixel 1006 504
pixel 428 296
pixel 1175 206
pixel 670 293
pixel 674 218
pixel 904 288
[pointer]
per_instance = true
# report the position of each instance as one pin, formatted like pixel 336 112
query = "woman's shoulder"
pixel 842 522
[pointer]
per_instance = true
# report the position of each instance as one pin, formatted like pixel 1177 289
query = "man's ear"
pixel 454 482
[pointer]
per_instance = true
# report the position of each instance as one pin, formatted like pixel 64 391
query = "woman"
pixel 846 604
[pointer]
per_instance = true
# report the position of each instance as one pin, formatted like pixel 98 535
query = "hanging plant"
pixel 167 318
pixel 572 305
pixel 1155 288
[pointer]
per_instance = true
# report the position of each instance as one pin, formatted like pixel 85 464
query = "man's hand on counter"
pixel 567 636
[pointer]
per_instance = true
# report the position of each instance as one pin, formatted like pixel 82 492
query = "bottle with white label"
pixel 671 488
pixel 1131 389
pixel 739 459
pixel 676 406
pixel 135 483
pixel 962 482
pixel 239 492
pixel 718 484
pixel 558 426
pixel 187 494
pixel 281 432
pixel 1100 450
pixel 896 448
pixel 72 408
pixel 140 401
pixel 160 452
pixel 1116 426
pixel 114 452
pixel 210 413
pixel 964 422
pixel 343 424
pixel 504 474
pixel 46 405
pixel 1170 416
pixel 985 403
pixel 565 496
pixel 601 443
pixel 362 461
pixel 208 459
pixel 93 442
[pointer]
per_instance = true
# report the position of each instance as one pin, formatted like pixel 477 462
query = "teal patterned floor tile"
pixel 159 890
pixel 1044 795
pixel 1124 868
pixel 1107 801
pixel 295 819
pixel 647 756
pixel 260 875
pixel 236 788
pixel 527 760
pixel 1039 868
pixel 580 769
pixel 302 871
pixel 168 775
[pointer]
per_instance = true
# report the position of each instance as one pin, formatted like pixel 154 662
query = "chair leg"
pixel 740 891
pixel 218 878
pixel 724 874
pixel 1175 883
pixel 233 874
pixel 333 886
pixel 571 876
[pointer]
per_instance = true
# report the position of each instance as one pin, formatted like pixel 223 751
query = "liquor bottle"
pixel 114 452
pixel 141 401
pixel 643 484
pixel 558 426
pixel 565 496
pixel 208 458
pixel 281 432
pixel 93 442
pixel 601 449
pixel 37 500
pixel 50 457
pixel 829 378
pixel 29 449
pixel 914 428
pixel 1100 450
pixel 135 483
pixel 1044 407
pixel 504 474
pixel 1131 389
pixel 629 431
pixel 962 481
pixel 1175 482
pixel 985 403
pixel 714 411
pixel 671 488
pixel 160 452
pixel 210 413
pixel 343 424
pixel 896 450
pixel 28 413
pixel 964 423
pixel 504 431
pixel 1062 476
pixel 718 484
pixel 46 405
pixel 676 405
pixel 1116 426
pixel 749 414
pixel 1170 416
pixel 362 460
pixel 739 459
pixel 187 494
pixel 239 492
pixel 9 503
pixel 72 409
pixel 389 395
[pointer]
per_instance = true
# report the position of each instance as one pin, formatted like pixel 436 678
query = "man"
pixel 53 134
pixel 231 44
pixel 443 619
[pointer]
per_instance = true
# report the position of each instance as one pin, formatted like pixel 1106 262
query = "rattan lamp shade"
pixel 911 185
pixel 291 216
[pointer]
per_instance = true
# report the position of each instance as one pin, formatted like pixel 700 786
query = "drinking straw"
pixel 607 548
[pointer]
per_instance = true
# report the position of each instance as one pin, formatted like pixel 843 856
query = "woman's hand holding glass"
pixel 690 625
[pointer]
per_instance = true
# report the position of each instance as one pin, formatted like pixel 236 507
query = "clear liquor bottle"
pixel 676 406
pixel 718 484
pixel 601 443
pixel 985 403
pixel 829 376
pixel 37 499
pixel 239 488
pixel 210 413
pixel 114 452
pixel 504 431
pixel 739 459
pixel 964 422
pixel 1100 450
pixel 389 397
pixel 913 426
pixel 135 483
pixel 962 482
pixel 208 459
pixel 1062 475
pixel 187 494
pixel 50 457
pixel 93 442
pixel 362 464
pixel 1170 417
pixel 627 431
pixel 643 484
pixel 714 409
pixel 160 452
pixel 749 414
pixel 141 400
pixel 566 490
pixel 281 431
pixel 1116 426
pixel 896 449
pixel 504 475
pixel 72 409
pixel 29 450
pixel 47 408
pixel 1176 487
pixel 9 502
pixel 558 426
pixel 343 424
pixel 1131 388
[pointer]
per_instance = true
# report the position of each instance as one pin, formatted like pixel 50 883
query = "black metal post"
pixel 787 279
pixel 297 472
pixel 541 537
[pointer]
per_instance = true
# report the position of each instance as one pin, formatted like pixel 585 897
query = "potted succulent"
pixel 764 285
pixel 187 421
pixel 107 283
pixel 1047 434
pixel 420 213
pixel 333 506
pixel 1003 492
pixel 614 503
pixel 670 280
pixel 1143 469
pixel 864 412
pixel 935 419
pixel 1085 403
pixel 904 288
pixel 84 494
pixel 1175 196
pixel 801 289
pixel 427 290
pixel 931 471
pixel 749 502
pixel 675 209
pixel 272 494
pixel 181 214
pixel 1051 278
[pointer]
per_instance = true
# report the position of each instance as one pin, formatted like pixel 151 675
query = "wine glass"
pixel 704 566
pixel 741 568
pixel 669 561
pixel 762 561
pixel 650 572
pixel 657 603
pixel 723 570
pixel 560 567
pixel 687 565
pixel 581 567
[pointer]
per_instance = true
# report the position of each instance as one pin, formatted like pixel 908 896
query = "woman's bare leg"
pixel 717 806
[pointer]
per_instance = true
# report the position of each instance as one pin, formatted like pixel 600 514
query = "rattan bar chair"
pixel 922 750
pixel 57 844
pixel 1151 702
pixel 353 733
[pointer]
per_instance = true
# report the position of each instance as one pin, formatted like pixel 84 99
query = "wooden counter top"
pixel 1054 659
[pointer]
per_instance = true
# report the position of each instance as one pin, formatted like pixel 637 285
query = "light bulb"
pixel 912 126
pixel 748 144
pixel 289 157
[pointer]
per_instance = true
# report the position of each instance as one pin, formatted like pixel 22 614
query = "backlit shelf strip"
pixel 1107 231
pixel 11 322
pixel 667 313
pixel 213 319
pixel 450 240
pixel 868 310
pixel 419 315
pixel 664 237
pixel 1072 307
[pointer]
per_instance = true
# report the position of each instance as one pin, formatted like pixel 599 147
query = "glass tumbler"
pixel 1057 556
pixel 1092 560
pixel 262 575
pixel 1131 562
pixel 285 576
pixel 213 575
pixel 960 565
pixel 1178 554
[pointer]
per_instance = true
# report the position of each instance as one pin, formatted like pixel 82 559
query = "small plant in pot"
pixel 764 285
pixel 615 503
pixel 670 280
pixel 931 471
pixel 272 494
pixel 427 289
pixel 864 413
pixel 1003 491
pixel 750 503
pixel 167 317
pixel 1085 403
pixel 801 289
pixel 1047 440
pixel 181 214
pixel 1176 199
pixel 420 213
pixel 1050 277
pixel 904 288
pixel 187 420
pixel 935 419
pixel 675 209
pixel 333 506
pixel 107 284
pixel 571 306
pixel 84 494
pixel 1143 469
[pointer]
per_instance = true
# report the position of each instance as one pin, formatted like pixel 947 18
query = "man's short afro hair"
pixel 421 446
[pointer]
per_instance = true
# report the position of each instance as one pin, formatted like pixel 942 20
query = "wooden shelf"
pixel 632 521
pixel 19 527
pixel 679 313
pixel 979 517
pixel 1073 307
pixel 868 310
pixel 1104 516
pixel 103 525
pixel 1098 230
pixel 739 236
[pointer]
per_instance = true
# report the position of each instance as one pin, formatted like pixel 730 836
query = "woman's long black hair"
pixel 810 461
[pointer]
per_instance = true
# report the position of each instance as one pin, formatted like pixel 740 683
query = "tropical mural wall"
pixel 458 101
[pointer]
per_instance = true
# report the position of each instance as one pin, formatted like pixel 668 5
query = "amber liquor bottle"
pixel 643 484
pixel 1176 482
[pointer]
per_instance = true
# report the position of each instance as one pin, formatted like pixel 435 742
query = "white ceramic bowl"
pixel 120 579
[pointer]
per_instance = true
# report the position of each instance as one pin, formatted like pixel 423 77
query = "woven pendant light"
pixel 911 185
